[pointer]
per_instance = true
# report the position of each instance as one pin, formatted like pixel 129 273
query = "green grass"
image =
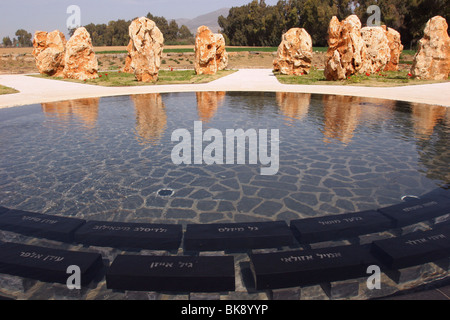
pixel 382 79
pixel 7 90
pixel 120 79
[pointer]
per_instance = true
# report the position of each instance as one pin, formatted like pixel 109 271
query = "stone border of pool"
pixel 34 90
pixel 417 248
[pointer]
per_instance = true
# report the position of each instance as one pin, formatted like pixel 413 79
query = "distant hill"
pixel 209 20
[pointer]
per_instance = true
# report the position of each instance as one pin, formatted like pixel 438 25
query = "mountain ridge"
pixel 207 19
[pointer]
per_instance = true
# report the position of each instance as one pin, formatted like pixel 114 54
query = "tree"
pixel 24 38
pixel 7 42
pixel 407 17
pixel 172 31
pixel 161 23
pixel 185 33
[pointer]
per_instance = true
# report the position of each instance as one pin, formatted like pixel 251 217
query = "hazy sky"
pixel 48 15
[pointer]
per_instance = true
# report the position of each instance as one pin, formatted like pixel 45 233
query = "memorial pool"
pixel 109 159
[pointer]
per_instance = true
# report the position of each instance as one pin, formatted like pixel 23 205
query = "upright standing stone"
pixel 378 50
pixel 346 48
pixel 48 52
pixel 432 60
pixel 127 68
pixel 294 53
pixel 221 52
pixel 396 47
pixel 210 53
pixel 146 49
pixel 80 61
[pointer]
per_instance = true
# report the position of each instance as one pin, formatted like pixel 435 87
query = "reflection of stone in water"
pixel 84 109
pixel 151 118
pixel 207 104
pixel 294 105
pixel 342 114
pixel 426 117
pixel 375 110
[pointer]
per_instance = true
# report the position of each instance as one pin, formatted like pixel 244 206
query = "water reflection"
pixel 208 103
pixel 425 118
pixel 151 117
pixel 293 105
pixel 341 117
pixel 85 110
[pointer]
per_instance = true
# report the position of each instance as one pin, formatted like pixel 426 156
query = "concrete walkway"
pixel 37 90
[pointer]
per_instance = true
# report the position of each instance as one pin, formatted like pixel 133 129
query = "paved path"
pixel 37 90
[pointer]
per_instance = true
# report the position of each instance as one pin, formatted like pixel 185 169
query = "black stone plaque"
pixel 40 225
pixel 3 210
pixel 237 236
pixel 413 249
pixel 310 267
pixel 443 192
pixel 339 227
pixel 48 265
pixel 172 273
pixel 419 210
pixel 130 235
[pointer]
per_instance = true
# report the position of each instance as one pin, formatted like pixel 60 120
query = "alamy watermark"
pixel 375 19
pixel 221 149
pixel 74 280
pixel 374 281
pixel 74 20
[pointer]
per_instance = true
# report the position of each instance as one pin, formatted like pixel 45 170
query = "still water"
pixel 110 158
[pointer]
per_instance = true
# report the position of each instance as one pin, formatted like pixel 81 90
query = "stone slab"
pixel 47 265
pixel 413 249
pixel 237 236
pixel 172 273
pixel 40 225
pixel 419 210
pixel 338 227
pixel 130 235
pixel 310 267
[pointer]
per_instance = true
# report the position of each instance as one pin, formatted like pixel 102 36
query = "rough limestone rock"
pixel 378 50
pixel 127 68
pixel 395 44
pixel 346 48
pixel 432 60
pixel 210 53
pixel 48 51
pixel 80 61
pixel 294 53
pixel 146 49
pixel 221 52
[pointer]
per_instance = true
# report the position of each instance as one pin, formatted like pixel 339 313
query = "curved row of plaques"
pixel 226 236
pixel 217 273
pixel 205 274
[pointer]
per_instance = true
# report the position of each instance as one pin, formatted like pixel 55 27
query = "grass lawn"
pixel 120 79
pixel 383 79
pixel 7 90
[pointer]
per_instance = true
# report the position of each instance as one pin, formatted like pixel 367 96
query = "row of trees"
pixel 24 39
pixel 115 33
pixel 258 24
